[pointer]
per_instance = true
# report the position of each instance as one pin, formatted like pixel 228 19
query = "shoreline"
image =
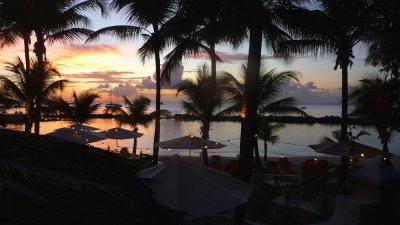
pixel 332 120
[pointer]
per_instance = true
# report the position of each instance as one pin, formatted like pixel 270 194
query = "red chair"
pixel 232 167
pixel 216 162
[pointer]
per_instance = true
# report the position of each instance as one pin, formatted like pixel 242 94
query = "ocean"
pixel 294 138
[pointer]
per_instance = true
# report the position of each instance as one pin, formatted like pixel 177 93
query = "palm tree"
pixel 270 87
pixel 31 87
pixel 374 103
pixel 267 134
pixel 337 27
pixel 152 17
pixel 203 24
pixel 55 20
pixel 80 111
pixel 15 25
pixel 335 137
pixel 136 114
pixel 198 98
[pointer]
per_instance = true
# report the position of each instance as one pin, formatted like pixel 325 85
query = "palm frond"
pixel 69 36
pixel 121 32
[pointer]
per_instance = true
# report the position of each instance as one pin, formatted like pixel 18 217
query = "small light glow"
pixel 315 159
pixel 281 155
pixel 362 155
pixel 205 147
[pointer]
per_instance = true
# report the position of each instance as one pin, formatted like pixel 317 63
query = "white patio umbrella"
pixel 195 189
pixel 343 148
pixel 83 127
pixel 118 133
pixel 77 136
pixel 189 142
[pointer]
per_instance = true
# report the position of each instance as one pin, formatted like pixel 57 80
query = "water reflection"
pixel 295 138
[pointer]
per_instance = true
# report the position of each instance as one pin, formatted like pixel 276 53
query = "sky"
pixel 110 64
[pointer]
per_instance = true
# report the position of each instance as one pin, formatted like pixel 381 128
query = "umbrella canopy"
pixel 342 148
pixel 120 133
pixel 195 189
pixel 77 136
pixel 376 172
pixel 83 127
pixel 189 142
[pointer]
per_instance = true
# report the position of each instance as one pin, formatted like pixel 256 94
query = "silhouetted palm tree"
pixel 30 87
pixel 375 105
pixel 136 114
pixel 335 137
pixel 16 23
pixel 198 98
pixel 61 20
pixel 336 28
pixel 151 17
pixel 270 87
pixel 267 133
pixel 80 111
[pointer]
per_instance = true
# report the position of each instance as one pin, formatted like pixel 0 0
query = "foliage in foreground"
pixel 57 182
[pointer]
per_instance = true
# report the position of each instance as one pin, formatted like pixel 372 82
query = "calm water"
pixel 294 137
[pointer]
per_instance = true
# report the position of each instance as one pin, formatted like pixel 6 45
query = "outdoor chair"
pixel 285 166
pixel 272 167
pixel 216 162
pixel 232 167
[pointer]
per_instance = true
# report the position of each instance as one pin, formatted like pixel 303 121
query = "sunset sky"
pixel 112 64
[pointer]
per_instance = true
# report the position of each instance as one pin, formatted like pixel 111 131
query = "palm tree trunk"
pixel 265 152
pixel 213 67
pixel 205 129
pixel 134 147
pixel 257 154
pixel 249 111
pixel 28 123
pixel 345 97
pixel 158 103
pixel 26 50
pixel 39 50
pixel 134 143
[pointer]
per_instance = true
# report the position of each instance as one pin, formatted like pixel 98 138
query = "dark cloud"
pixel 309 93
pixel 176 76
pixel 101 86
pixel 310 85
pixel 149 82
pixel 126 89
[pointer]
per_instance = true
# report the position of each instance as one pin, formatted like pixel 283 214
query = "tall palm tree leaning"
pixel 198 97
pixel 153 14
pixel 335 28
pixel 136 114
pixel 80 111
pixel 28 87
pixel 270 87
